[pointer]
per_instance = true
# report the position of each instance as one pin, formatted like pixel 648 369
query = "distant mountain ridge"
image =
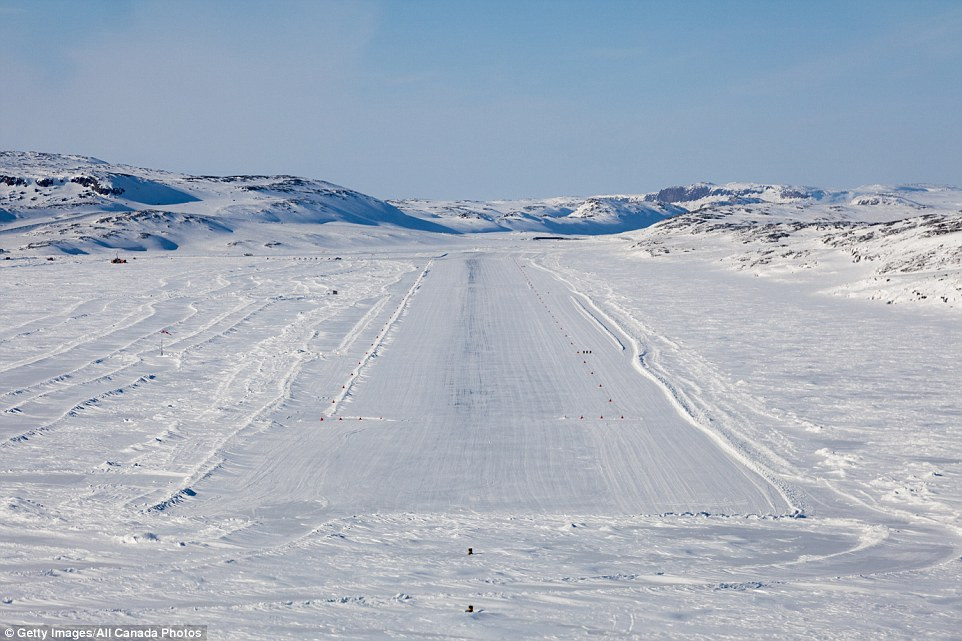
pixel 734 193
pixel 566 215
pixel 51 203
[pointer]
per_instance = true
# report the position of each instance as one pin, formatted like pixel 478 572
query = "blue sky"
pixel 493 99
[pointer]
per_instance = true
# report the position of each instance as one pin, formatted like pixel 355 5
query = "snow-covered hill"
pixel 567 215
pixel 74 204
pixel 886 243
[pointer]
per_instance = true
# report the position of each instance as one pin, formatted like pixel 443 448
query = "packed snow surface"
pixel 739 422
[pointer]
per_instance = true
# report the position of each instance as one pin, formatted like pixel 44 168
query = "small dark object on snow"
pixel 470 608
pixel 118 260
pixel 470 551
pixel 334 292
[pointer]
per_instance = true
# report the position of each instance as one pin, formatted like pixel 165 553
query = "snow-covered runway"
pixel 492 391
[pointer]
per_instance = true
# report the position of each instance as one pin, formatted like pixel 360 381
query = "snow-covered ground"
pixel 295 407
pixel 635 444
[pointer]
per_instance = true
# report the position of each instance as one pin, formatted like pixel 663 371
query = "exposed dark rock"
pixel 95 185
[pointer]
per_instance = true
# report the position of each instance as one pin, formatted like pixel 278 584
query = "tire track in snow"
pixel 361 325
pixel 601 326
pixel 254 420
pixel 90 402
pixel 375 349
pixel 36 325
pixel 65 384
pixel 132 318
pixel 54 386
pixel 215 457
